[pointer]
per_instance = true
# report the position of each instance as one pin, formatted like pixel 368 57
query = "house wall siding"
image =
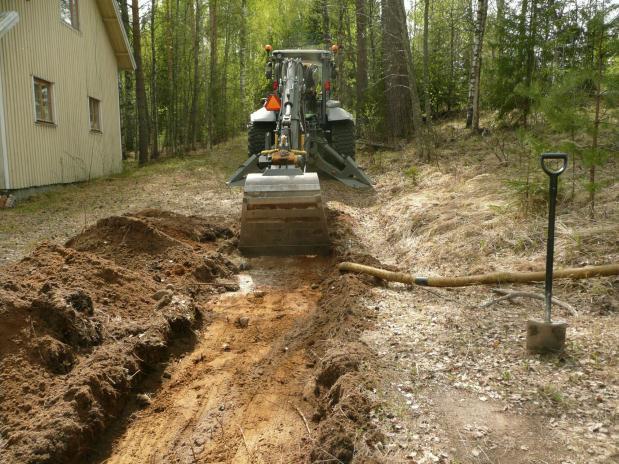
pixel 79 64
pixel 3 154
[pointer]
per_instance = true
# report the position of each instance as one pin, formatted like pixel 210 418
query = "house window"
pixel 43 101
pixel 69 13
pixel 95 114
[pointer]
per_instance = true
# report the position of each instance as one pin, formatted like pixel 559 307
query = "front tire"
pixel 343 137
pixel 256 134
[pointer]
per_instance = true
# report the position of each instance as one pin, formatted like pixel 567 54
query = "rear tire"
pixel 256 134
pixel 343 137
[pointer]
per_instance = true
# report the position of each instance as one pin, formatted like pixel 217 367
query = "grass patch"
pixel 551 393
pixel 221 162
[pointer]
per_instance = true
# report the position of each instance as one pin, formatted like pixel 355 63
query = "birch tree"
pixel 472 111
pixel 362 59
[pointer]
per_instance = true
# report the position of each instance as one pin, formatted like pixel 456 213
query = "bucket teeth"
pixel 283 215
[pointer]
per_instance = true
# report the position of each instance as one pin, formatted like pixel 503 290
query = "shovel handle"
pixel 553 156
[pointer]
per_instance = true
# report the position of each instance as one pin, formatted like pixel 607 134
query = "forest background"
pixel 546 69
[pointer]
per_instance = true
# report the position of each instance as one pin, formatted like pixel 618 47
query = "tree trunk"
pixel 242 46
pixel 596 124
pixel 196 76
pixel 375 68
pixel 184 77
pixel 140 91
pixel 412 73
pixel 398 72
pixel 350 56
pixel 212 6
pixel 153 83
pixel 500 28
pixel 170 122
pixel 224 81
pixel 325 22
pixel 174 71
pixel 452 33
pixel 426 64
pixel 530 56
pixel 128 114
pixel 340 81
pixel 472 111
pixel 522 46
pixel 522 34
pixel 362 61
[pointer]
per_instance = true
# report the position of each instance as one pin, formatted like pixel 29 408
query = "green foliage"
pixel 413 174
pixel 529 93
pixel 551 393
pixel 450 43
pixel 541 58
pixel 566 104
pixel 577 104
pixel 531 194
pixel 530 191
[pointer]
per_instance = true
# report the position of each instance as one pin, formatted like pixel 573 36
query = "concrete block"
pixel 7 201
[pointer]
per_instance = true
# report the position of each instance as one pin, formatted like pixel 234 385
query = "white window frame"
pixel 52 102
pixel 98 130
pixel 74 22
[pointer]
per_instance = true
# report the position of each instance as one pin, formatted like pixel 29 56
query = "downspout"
pixel 9 20
pixel 3 145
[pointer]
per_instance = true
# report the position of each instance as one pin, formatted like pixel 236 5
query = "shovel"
pixel 547 336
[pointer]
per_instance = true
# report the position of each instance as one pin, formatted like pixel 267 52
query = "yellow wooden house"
pixel 59 100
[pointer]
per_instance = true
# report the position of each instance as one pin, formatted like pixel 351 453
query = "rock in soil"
pixel 143 399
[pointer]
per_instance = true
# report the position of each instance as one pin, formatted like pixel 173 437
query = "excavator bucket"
pixel 283 215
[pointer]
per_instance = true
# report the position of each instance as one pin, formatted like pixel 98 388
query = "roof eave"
pixel 116 30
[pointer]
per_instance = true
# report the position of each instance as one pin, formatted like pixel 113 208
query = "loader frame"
pixel 315 126
pixel 283 212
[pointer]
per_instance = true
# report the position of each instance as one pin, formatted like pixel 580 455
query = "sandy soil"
pixel 233 398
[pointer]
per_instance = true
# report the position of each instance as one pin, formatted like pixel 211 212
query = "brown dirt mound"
pixel 346 432
pixel 170 247
pixel 185 228
pixel 338 361
pixel 123 233
pixel 342 379
pixel 81 326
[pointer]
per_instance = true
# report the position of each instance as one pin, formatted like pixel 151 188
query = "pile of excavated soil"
pixel 279 373
pixel 341 386
pixel 81 325
pixel 169 247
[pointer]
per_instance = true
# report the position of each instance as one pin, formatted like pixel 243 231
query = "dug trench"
pixel 147 338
